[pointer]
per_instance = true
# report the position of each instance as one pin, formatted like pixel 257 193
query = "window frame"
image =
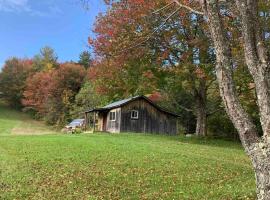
pixel 112 113
pixel 137 114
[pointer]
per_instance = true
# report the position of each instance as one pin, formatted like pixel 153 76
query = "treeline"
pixel 42 86
pixel 133 55
pixel 58 92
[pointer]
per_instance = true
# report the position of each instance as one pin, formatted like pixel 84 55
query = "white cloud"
pixel 14 5
pixel 19 6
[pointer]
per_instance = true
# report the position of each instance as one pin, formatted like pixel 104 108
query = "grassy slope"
pixel 13 122
pixel 125 166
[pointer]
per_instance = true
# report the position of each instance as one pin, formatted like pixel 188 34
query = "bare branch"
pixel 165 21
pixel 188 8
pixel 186 109
pixel 163 8
pixel 214 111
pixel 151 34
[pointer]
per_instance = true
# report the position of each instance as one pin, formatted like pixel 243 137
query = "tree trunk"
pixel 258 64
pixel 201 124
pixel 201 113
pixel 256 58
pixel 262 172
pixel 260 157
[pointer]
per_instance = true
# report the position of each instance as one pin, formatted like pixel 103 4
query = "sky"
pixel 28 25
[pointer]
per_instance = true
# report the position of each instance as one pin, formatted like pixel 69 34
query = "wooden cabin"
pixel 136 114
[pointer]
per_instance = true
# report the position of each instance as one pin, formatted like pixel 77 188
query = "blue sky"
pixel 28 25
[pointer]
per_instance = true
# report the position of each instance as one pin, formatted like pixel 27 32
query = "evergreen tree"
pixel 85 59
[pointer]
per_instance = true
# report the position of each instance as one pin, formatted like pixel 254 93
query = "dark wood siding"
pixel 151 120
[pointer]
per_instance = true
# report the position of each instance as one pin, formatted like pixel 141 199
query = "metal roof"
pixel 118 104
pixel 78 120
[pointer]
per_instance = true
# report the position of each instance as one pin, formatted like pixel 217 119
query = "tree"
pixel 66 82
pixel 257 61
pixel 46 60
pixel 36 93
pixel 13 78
pixel 177 99
pixel 87 98
pixel 85 59
pixel 51 94
pixel 116 80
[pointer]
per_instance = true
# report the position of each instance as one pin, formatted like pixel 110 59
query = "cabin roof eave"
pixel 126 101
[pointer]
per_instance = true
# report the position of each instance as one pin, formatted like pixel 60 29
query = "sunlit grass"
pixel 124 166
pixel 13 122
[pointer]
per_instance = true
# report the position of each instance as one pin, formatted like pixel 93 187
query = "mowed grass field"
pixel 35 165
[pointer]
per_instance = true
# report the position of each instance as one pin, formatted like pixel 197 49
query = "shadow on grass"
pixel 9 113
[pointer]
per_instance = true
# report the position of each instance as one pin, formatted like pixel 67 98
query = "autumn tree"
pixel 257 61
pixel 13 78
pixel 51 94
pixel 36 93
pixel 66 82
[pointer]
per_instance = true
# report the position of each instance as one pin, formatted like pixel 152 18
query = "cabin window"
pixel 134 114
pixel 112 116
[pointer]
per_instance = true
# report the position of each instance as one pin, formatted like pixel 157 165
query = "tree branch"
pixel 163 23
pixel 152 33
pixel 188 8
pixel 163 8
pixel 184 108
pixel 214 111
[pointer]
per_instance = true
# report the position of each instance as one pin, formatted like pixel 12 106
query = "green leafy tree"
pixel 46 60
pixel 85 59
pixel 87 99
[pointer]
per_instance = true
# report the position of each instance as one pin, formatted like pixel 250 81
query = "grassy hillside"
pixel 16 123
pixel 125 166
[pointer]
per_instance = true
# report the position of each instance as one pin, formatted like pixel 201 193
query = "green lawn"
pixel 124 166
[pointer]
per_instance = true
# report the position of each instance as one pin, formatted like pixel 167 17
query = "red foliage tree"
pixel 36 93
pixel 51 94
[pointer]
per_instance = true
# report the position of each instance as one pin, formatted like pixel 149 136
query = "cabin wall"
pixel 150 120
pixel 114 126
pixel 99 122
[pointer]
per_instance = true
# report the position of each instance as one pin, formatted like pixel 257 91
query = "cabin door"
pixel 104 123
